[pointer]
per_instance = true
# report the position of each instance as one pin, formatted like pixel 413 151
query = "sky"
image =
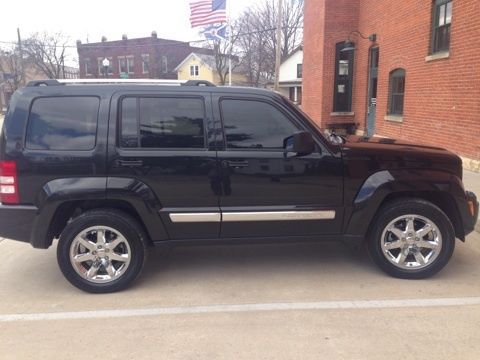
pixel 87 19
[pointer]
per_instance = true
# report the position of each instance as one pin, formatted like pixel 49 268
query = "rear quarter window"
pixel 63 123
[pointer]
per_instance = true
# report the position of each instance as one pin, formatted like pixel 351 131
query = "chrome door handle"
pixel 237 163
pixel 129 163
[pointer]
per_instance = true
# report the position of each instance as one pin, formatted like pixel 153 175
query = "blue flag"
pixel 215 32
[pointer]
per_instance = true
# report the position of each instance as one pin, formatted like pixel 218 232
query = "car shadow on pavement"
pixel 255 260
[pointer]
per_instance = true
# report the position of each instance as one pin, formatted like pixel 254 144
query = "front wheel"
pixel 102 251
pixel 411 239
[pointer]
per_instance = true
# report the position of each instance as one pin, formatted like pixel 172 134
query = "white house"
pixel 290 76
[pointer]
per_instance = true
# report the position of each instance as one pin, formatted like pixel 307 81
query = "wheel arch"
pixel 440 188
pixel 62 199
pixel 443 200
pixel 71 209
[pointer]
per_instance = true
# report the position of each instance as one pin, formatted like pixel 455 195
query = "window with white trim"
pixel 194 70
pixel 164 64
pixel 101 68
pixel 396 92
pixel 145 63
pixel 88 67
pixel 125 64
pixel 442 21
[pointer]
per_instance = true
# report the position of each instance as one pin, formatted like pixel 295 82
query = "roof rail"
pixel 198 83
pixel 34 83
pixel 118 81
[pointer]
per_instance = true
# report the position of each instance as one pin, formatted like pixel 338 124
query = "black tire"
pixel 395 209
pixel 114 219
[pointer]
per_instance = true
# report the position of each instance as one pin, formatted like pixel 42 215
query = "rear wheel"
pixel 411 239
pixel 102 251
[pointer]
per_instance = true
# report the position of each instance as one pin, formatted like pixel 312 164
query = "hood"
pixel 384 153
pixel 380 141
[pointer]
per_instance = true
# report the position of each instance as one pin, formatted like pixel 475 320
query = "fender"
pixel 381 184
pixel 55 193
pixel 59 191
pixel 143 199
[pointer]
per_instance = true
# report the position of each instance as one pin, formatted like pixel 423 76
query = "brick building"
pixel 149 57
pixel 416 78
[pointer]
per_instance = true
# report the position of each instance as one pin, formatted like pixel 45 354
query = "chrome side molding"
pixel 253 216
pixel 195 217
pixel 279 215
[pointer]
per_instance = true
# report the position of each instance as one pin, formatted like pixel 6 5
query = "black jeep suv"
pixel 109 169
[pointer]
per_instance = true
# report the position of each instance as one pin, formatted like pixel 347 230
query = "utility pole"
pixel 278 46
pixel 20 52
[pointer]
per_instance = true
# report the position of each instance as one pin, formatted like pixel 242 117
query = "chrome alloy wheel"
pixel 100 254
pixel 411 242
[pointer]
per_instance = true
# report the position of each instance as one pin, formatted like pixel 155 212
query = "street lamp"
pixel 349 45
pixel 106 66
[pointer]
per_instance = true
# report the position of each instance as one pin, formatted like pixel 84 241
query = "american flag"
pixel 206 12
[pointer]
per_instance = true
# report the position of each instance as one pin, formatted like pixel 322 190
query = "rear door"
pixel 162 140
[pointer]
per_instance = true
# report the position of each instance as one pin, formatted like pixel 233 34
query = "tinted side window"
pixel 63 123
pixel 254 124
pixel 162 123
pixel 129 126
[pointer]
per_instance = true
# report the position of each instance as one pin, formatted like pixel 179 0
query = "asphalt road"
pixel 296 301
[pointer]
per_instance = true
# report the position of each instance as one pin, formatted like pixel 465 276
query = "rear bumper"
pixel 17 221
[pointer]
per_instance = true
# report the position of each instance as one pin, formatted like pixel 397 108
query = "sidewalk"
pixel 471 180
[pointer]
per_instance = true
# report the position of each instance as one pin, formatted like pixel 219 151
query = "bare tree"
pixel 257 36
pixel 253 44
pixel 11 68
pixel 47 52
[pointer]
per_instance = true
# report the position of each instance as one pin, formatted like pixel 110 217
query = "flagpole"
pixel 229 43
pixel 278 45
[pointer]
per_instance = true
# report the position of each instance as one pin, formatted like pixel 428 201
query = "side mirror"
pixel 300 143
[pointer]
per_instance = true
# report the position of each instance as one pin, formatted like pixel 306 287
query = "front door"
pixel 372 91
pixel 162 142
pixel 265 193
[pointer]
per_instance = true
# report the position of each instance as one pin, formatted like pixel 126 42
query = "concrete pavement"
pixel 31 283
pixel 471 180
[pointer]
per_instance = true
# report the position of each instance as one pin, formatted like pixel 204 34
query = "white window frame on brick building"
pixel 441 26
pixel 164 64
pixel 100 66
pixel 128 64
pixel 396 93
pixel 88 67
pixel 145 63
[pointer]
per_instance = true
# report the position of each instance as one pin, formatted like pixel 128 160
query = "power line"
pixel 179 43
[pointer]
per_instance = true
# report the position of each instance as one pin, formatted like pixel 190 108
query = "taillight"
pixel 8 182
